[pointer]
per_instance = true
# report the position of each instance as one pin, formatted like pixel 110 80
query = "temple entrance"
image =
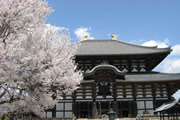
pixel 126 109
pixel 125 113
pixel 91 109
pixel 83 109
pixel 100 108
pixel 103 108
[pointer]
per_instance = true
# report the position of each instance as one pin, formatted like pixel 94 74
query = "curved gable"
pixel 104 67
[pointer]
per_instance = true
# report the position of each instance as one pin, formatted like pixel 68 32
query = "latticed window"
pixel 104 89
pixel 104 79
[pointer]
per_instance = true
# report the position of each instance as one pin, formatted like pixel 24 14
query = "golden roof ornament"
pixel 84 37
pixel 114 37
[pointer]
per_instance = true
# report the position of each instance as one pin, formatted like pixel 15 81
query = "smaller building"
pixel 170 110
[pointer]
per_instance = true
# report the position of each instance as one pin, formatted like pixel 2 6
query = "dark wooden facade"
pixel 124 83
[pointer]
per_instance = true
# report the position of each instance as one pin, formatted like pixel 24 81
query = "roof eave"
pixel 131 54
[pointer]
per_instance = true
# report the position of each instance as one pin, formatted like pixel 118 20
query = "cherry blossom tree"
pixel 36 60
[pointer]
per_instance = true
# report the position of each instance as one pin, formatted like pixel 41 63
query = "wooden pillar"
pixel 176 116
pixel 79 105
pixel 110 102
pixel 99 108
pixel 111 61
pixel 163 115
pixel 129 109
pixel 88 111
pixel 173 114
pixel 129 65
pixel 94 92
pixel 83 92
pixel 154 95
pixel 144 91
pixel 92 64
pixel 160 116
pixel 74 107
pixel 169 91
pixel 94 99
pixel 138 65
pixel 161 90
pixel 114 91
pixel 147 64
pixel 124 91
pixel 121 67
pixel 84 65
pixel 115 97
pixel 115 107
pixel 134 91
pixel 134 111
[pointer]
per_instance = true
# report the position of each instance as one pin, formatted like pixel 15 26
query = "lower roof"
pixel 152 77
pixel 147 77
pixel 135 77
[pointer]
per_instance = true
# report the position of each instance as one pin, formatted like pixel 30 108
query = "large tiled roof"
pixel 116 47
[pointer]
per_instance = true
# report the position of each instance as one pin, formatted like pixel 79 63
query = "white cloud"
pixel 159 44
pixel 80 32
pixel 176 50
pixel 171 65
pixel 177 94
pixel 60 29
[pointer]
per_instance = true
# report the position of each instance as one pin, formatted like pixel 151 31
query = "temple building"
pixel 118 76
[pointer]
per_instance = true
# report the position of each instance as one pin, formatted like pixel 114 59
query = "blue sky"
pixel 143 22
pixel 130 19
pixel 147 22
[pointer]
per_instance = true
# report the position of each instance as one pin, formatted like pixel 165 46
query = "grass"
pixel 6 118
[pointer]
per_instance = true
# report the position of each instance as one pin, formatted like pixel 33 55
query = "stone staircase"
pixel 144 118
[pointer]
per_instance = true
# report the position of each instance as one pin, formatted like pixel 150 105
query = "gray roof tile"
pixel 152 77
pixel 116 47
